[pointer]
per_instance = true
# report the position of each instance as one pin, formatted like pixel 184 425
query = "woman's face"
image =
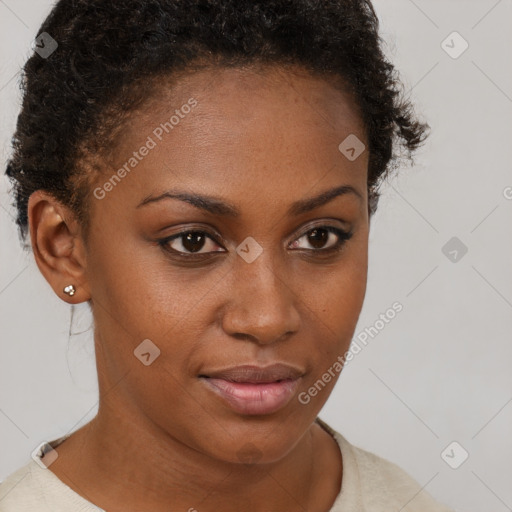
pixel 255 279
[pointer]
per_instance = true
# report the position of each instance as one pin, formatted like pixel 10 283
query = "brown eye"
pixel 322 238
pixel 193 242
pixel 190 242
pixel 318 237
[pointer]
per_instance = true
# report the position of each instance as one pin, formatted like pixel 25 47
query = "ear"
pixel 58 246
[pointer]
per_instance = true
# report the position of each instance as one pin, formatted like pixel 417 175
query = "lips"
pixel 254 390
pixel 256 374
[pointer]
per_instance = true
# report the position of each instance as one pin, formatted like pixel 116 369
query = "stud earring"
pixel 70 290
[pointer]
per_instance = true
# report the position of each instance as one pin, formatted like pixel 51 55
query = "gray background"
pixel 440 371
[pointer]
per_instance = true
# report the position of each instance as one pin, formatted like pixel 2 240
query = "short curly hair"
pixel 109 53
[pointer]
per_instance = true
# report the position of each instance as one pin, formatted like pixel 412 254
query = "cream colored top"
pixel 370 484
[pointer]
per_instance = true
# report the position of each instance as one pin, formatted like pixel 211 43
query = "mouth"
pixel 254 390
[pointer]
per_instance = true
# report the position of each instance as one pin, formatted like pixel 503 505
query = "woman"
pixel 203 174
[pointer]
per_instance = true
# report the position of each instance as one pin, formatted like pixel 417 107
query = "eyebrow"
pixel 217 206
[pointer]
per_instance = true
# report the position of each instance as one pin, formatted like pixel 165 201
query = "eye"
pixel 190 242
pixel 199 243
pixel 323 239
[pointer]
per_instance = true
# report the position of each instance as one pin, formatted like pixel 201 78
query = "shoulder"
pixel 378 485
pixel 21 491
pixel 382 480
pixel 35 488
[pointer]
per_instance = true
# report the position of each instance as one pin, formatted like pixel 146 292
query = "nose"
pixel 262 305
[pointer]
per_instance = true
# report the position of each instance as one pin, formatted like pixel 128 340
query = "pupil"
pixel 193 241
pixel 318 237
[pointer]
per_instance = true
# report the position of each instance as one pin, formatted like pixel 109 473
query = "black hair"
pixel 108 52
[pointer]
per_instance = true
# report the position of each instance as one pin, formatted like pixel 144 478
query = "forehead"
pixel 220 130
pixel 237 97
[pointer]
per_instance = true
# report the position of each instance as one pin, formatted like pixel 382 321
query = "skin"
pixel 260 139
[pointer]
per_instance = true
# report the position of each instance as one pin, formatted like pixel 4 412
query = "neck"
pixel 136 466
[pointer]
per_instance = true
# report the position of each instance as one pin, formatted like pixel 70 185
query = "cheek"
pixel 336 308
pixel 336 298
pixel 339 292
pixel 138 295
pixel 141 294
pixel 336 315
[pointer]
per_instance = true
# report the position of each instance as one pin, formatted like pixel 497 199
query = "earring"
pixel 70 290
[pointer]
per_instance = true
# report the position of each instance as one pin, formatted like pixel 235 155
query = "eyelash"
pixel 343 237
